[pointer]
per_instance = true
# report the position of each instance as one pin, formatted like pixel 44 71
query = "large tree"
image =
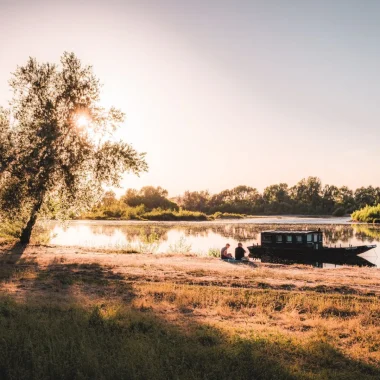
pixel 195 200
pixel 276 193
pixel 149 196
pixel 330 198
pixel 307 194
pixel 365 196
pixel 277 199
pixel 240 199
pixel 56 141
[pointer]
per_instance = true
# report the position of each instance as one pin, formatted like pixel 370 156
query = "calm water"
pixel 199 237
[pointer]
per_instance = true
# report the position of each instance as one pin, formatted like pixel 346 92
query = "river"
pixel 200 237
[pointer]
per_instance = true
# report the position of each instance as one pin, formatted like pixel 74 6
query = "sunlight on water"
pixel 202 236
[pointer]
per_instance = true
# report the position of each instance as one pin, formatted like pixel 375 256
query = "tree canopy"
pixel 307 197
pixel 56 142
pixel 149 196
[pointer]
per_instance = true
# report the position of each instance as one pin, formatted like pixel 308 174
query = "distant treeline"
pixel 307 197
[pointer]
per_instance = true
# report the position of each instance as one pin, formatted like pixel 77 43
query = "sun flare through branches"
pixel 82 121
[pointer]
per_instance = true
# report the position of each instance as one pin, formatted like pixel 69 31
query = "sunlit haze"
pixel 222 93
pixel 82 121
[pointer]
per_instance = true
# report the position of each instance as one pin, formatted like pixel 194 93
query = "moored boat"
pixel 316 262
pixel 306 245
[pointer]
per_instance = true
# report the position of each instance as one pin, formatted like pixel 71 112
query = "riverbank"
pixel 139 213
pixel 66 311
pixel 161 215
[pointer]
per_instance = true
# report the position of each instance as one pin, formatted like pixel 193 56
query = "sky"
pixel 222 93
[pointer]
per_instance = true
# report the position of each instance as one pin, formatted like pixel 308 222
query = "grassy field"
pixel 75 313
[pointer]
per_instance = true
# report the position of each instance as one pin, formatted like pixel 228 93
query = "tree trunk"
pixel 27 231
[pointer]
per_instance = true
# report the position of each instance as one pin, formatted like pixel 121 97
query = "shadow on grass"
pixel 52 342
pixel 246 263
pixel 60 338
pixel 13 254
pixel 59 279
pixel 92 280
pixel 12 265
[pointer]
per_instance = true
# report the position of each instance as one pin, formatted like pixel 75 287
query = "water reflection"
pixel 366 233
pixel 338 234
pixel 355 261
pixel 243 232
pixel 202 236
pixel 130 232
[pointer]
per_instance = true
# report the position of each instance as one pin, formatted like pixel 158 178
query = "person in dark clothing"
pixel 239 252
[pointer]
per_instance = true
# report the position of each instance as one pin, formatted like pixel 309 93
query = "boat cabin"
pixel 290 239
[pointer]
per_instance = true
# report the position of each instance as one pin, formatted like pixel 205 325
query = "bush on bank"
pixel 122 212
pixel 170 215
pixel 368 214
pixel 227 215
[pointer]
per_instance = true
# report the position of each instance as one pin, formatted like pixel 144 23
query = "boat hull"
pixel 325 254
pixel 352 260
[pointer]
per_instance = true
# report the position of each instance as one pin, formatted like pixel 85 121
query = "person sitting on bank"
pixel 224 254
pixel 239 252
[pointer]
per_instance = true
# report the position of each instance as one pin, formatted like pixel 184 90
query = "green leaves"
pixel 46 152
pixel 114 158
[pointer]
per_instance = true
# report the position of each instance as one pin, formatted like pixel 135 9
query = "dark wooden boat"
pixel 306 245
pixel 284 259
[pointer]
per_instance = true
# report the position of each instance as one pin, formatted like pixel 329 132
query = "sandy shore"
pixel 192 269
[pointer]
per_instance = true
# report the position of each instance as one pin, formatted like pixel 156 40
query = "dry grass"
pixel 302 315
pixel 353 322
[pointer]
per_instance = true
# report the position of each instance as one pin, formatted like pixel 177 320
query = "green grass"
pixel 10 231
pixel 123 212
pixel 368 214
pixel 227 215
pixel 108 342
pixel 117 211
pixel 170 215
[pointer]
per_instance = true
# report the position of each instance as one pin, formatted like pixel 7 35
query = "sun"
pixel 82 121
pixel 84 125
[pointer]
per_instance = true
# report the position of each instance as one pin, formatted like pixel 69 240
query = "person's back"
pixel 239 252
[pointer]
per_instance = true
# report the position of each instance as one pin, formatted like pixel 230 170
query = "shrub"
pixel 170 215
pixel 117 210
pixel 368 214
pixel 180 246
pixel 214 252
pixel 227 215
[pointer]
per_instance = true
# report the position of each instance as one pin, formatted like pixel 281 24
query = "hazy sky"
pixel 222 93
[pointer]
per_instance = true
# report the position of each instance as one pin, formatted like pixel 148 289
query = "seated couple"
pixel 239 252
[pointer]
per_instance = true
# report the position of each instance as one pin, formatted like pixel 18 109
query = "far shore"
pixel 241 217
